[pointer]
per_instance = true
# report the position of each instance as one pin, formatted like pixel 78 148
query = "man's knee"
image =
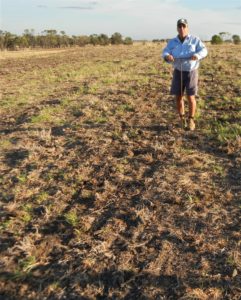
pixel 179 98
pixel 191 98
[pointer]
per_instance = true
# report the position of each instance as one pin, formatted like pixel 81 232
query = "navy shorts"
pixel 184 80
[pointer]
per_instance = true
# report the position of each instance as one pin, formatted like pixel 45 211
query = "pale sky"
pixel 139 19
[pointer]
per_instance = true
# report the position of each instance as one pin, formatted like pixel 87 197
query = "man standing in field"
pixel 185 52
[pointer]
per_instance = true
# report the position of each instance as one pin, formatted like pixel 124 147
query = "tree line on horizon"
pixel 225 37
pixel 52 39
pixel 222 37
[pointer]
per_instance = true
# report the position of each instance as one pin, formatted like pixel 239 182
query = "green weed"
pixel 132 133
pixel 231 261
pixel 71 218
pixel 126 107
pixel 27 263
pixel 22 178
pixel 228 132
pixel 49 115
pixel 192 199
pixel 4 225
pixel 26 215
pixel 219 170
pixel 224 131
pixel 42 197
pixel 5 144
pixel 101 120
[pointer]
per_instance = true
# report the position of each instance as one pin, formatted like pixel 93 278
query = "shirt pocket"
pixel 190 49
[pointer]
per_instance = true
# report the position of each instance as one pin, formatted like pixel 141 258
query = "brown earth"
pixel 102 195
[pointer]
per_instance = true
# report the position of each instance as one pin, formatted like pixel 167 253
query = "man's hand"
pixel 169 58
pixel 194 57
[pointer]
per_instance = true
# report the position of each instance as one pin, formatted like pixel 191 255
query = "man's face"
pixel 182 30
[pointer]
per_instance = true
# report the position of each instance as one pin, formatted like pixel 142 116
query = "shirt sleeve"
pixel 167 50
pixel 201 50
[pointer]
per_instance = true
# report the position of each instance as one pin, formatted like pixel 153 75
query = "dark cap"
pixel 182 21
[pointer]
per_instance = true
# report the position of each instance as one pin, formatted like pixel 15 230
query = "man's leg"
pixel 181 110
pixel 192 87
pixel 192 105
pixel 192 111
pixel 180 105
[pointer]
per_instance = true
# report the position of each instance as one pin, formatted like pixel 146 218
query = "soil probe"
pixel 181 59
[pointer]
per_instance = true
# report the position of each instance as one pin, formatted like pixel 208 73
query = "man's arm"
pixel 166 53
pixel 201 50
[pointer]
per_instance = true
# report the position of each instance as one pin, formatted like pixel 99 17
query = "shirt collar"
pixel 186 39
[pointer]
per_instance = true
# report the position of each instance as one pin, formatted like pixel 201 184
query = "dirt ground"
pixel 102 195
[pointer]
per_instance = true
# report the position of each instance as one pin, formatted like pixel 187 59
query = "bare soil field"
pixel 102 196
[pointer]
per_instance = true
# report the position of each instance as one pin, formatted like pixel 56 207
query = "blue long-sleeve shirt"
pixel 191 46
